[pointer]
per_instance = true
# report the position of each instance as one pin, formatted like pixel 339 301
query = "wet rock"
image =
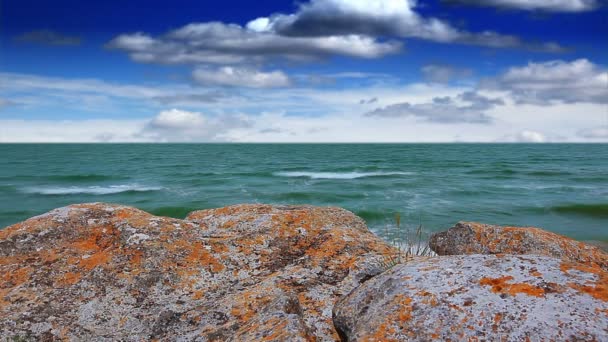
pixel 479 298
pixel 242 273
pixel 476 238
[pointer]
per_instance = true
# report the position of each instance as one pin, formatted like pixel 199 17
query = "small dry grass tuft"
pixel 410 243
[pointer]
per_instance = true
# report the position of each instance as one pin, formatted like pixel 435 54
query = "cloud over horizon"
pixel 547 82
pixel 468 107
pixel 315 70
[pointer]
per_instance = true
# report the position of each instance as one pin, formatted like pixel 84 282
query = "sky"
pixel 305 71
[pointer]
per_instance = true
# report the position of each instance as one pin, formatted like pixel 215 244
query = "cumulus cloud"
pixel 443 73
pixel 554 81
pixel 319 29
pixel 468 107
pixel 534 5
pixel 392 18
pixel 177 119
pixel 48 37
pixel 219 43
pixel 180 125
pixel 241 77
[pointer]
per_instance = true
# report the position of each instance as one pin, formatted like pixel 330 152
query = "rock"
pixel 479 298
pixel 477 238
pixel 242 273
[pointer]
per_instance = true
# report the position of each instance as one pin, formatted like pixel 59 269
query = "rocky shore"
pixel 104 272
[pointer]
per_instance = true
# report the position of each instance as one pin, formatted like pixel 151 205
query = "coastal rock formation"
pixel 476 238
pixel 105 272
pixel 477 298
pixel 244 273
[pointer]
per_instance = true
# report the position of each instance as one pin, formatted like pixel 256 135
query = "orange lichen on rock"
pixel 598 288
pixel 501 285
pixel 384 332
pixel 473 304
pixel 98 259
pixel 477 238
pixel 497 318
pixel 200 256
pixel 16 277
pixel 69 278
pixel 405 314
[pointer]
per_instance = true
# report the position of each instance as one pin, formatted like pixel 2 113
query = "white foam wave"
pixel 90 190
pixel 338 175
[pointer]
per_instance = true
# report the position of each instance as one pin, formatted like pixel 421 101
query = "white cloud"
pixel 554 81
pixel 180 125
pixel 529 123
pixel 393 18
pixel 319 29
pixel 177 119
pixel 539 5
pixel 525 137
pixel 241 77
pixel 299 114
pixel 219 43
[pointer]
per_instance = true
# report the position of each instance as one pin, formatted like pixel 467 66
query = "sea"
pixel 559 187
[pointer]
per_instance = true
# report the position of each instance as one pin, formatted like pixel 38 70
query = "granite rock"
pixel 479 298
pixel 105 272
pixel 477 238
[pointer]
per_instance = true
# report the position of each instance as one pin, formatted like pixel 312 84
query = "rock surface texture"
pixel 476 238
pixel 479 298
pixel 103 272
pixel 242 273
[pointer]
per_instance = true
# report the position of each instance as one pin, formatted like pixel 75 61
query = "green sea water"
pixel 560 187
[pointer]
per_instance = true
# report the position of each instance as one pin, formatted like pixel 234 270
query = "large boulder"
pixel 479 298
pixel 477 238
pixel 243 273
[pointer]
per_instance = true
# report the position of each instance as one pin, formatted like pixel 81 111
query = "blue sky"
pixel 312 71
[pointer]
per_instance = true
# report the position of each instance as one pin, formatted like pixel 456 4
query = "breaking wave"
pixel 91 190
pixel 338 175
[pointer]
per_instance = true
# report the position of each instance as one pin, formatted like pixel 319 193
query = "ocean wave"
pixel 338 175
pixel 91 190
pixel 549 173
pixel 84 177
pixel 593 210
